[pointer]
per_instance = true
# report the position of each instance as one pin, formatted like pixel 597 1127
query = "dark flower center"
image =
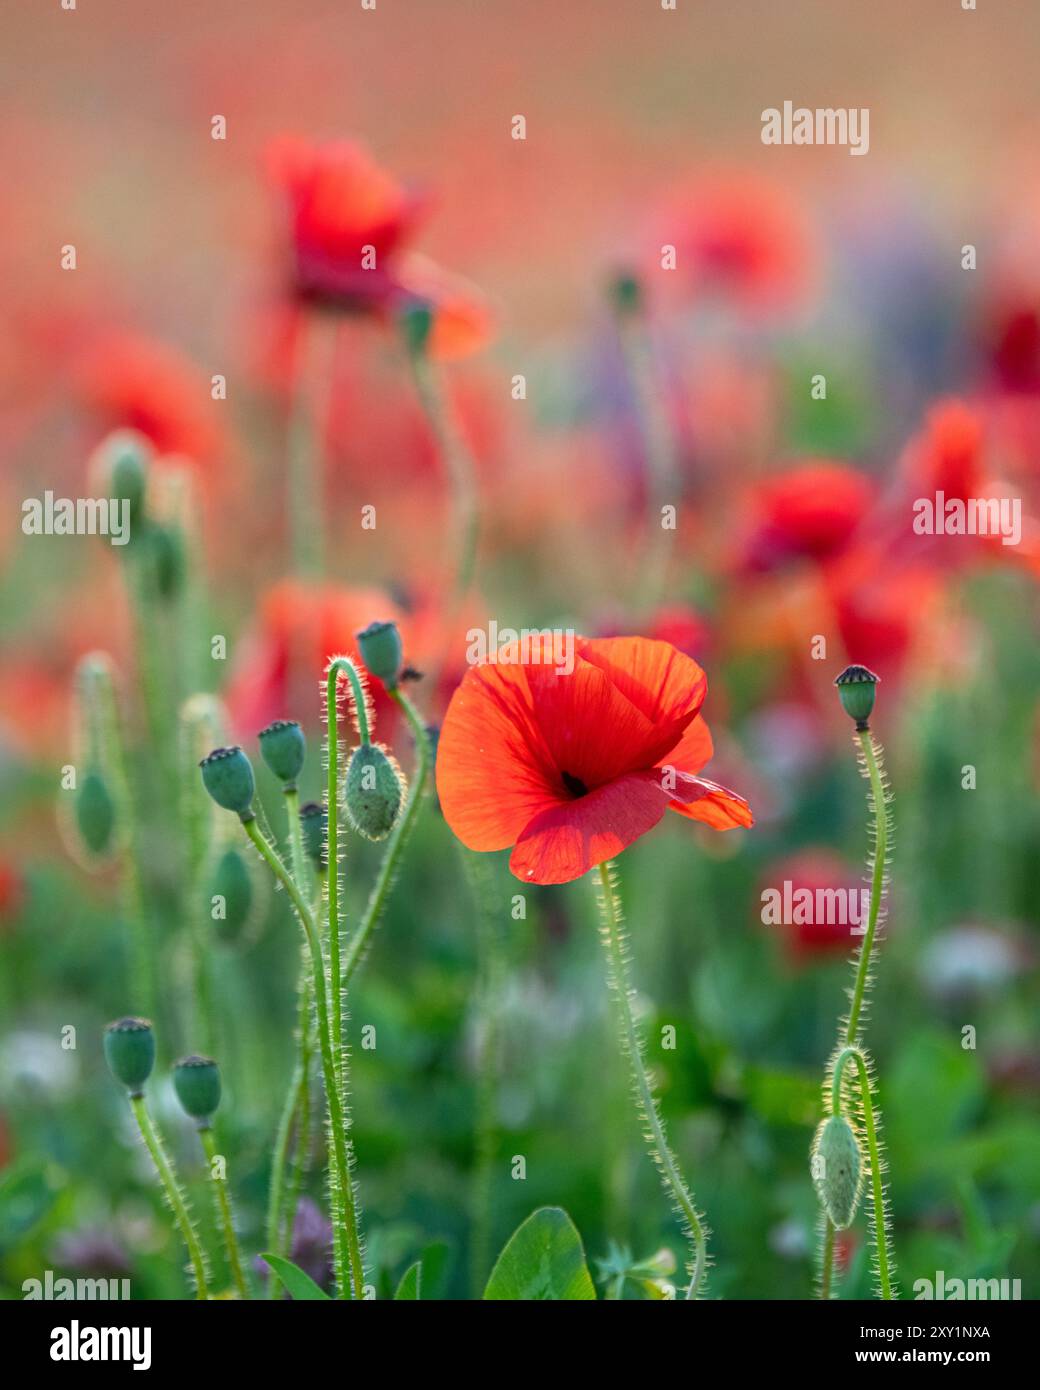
pixel 574 785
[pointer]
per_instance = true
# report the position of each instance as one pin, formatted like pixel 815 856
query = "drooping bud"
pixel 372 791
pixel 626 294
pixel 123 461
pixel 314 822
pixel 381 651
pixel 231 885
pixel 95 813
pixel 856 690
pixel 228 777
pixel 197 1083
pixel 130 1052
pixel 169 559
pixel 837 1170
pixel 283 747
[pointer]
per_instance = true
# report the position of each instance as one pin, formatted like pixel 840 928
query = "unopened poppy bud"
pixel 373 791
pixel 381 651
pixel 230 895
pixel 837 1170
pixel 283 747
pixel 314 824
pixel 228 776
pixel 95 813
pixel 130 1052
pixel 169 559
pixel 197 1083
pixel 124 457
pixel 856 692
pixel 417 325
pixel 626 294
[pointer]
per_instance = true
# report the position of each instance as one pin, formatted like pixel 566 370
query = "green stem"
pixel 174 1196
pixel 396 843
pixel 346 1241
pixel 455 452
pixel 612 933
pixel 311 391
pixel 827 1268
pixel 220 1187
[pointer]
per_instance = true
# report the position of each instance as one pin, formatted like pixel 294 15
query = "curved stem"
pixel 395 845
pixel 174 1196
pixel 612 933
pixel 877 886
pixel 877 1196
pixel 220 1187
pixel 346 1241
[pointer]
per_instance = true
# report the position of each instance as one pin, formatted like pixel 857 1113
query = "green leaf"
pixel 300 1285
pixel 411 1282
pixel 543 1259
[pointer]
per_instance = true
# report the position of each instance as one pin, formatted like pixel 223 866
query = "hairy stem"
pixel 227 1224
pixel 178 1203
pixel 877 1195
pixel 346 1240
pixel 613 935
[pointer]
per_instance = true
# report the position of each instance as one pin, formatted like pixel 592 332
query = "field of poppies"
pixel 520 698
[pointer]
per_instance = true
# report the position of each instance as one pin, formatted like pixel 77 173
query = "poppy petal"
pixel 566 840
pixel 664 683
pixel 694 750
pixel 494 772
pixel 699 799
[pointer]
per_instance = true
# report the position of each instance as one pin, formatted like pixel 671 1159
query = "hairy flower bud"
pixel 130 1052
pixel 314 825
pixel 283 747
pixel 228 777
pixel 381 651
pixel 197 1083
pixel 372 791
pixel 123 460
pixel 232 884
pixel 837 1170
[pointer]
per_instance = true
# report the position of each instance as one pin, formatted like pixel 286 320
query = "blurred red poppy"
pixel 572 767
pixel 815 871
pixel 810 512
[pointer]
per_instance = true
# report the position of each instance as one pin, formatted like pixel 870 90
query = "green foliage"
pixel 299 1284
pixel 543 1259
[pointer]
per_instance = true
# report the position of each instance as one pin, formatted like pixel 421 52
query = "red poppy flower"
pixel 811 512
pixel 340 204
pixel 571 767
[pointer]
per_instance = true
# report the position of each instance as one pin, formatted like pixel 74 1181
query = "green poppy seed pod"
pixel 283 747
pixel 230 890
pixel 95 813
pixel 169 559
pixel 381 651
pixel 417 325
pixel 228 777
pixel 130 1052
pixel 372 792
pixel 856 692
pixel 837 1170
pixel 197 1083
pixel 314 825
pixel 125 458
